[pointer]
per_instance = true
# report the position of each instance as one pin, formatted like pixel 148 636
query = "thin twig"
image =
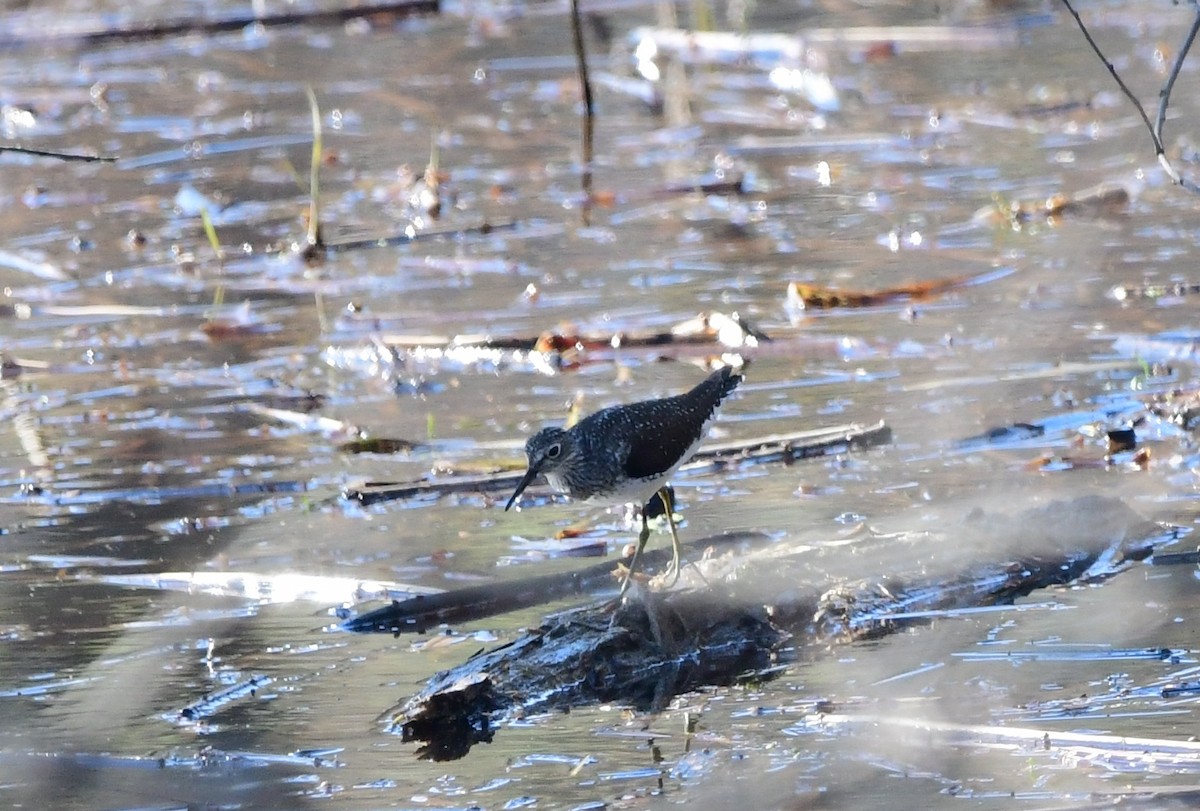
pixel 589 111
pixel 62 156
pixel 1164 98
pixel 1164 95
pixel 1116 77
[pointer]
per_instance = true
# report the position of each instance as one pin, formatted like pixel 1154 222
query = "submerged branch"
pixel 1117 752
pixel 784 448
pixel 163 29
pixel 62 156
pixel 420 613
pixel 410 236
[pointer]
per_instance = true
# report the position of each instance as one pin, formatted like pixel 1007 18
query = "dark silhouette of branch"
pixel 1116 76
pixel 589 110
pixel 1164 96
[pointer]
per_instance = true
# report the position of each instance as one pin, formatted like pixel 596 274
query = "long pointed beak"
pixel 525 480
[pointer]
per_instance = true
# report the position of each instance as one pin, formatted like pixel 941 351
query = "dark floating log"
pixel 1176 558
pixel 784 448
pixel 590 656
pixel 745 616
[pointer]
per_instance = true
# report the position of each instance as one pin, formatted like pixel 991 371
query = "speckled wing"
pixel 665 432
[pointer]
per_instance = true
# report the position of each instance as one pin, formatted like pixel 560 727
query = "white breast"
pixel 557 482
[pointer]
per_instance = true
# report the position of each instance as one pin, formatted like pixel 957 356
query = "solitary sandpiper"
pixel 625 454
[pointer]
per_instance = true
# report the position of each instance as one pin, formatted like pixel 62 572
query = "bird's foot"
pixel 663 581
pixel 666 579
pixel 627 576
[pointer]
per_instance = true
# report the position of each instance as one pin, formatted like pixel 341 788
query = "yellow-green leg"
pixel 637 554
pixel 665 495
pixel 673 570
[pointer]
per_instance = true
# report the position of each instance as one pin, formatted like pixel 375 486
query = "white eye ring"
pixel 553 451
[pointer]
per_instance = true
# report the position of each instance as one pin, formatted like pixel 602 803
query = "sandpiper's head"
pixel 547 450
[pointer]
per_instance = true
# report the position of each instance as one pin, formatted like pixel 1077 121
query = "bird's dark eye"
pixel 553 451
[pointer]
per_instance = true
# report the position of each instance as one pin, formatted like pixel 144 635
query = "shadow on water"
pixel 945 220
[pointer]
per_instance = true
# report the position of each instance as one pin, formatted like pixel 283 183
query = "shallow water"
pixel 130 457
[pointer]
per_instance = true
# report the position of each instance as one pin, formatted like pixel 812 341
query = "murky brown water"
pixel 127 449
